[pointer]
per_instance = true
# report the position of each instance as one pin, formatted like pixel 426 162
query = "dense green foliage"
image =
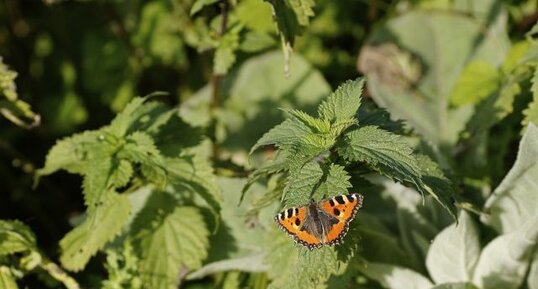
pixel 428 108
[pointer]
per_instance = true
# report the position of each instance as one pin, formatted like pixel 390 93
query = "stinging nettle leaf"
pixel 176 245
pixel 344 103
pixel 390 155
pixel 15 237
pixel 7 280
pixel 454 252
pixel 285 135
pixel 101 225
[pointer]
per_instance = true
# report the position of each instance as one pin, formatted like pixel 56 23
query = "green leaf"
pixel 140 148
pixel 7 280
pixel 478 80
pixel 199 4
pixel 395 277
pixel 442 54
pixel 514 201
pixel 454 252
pixel 100 226
pixel 285 135
pixel 315 124
pixel 336 182
pixel 253 263
pixel 461 285
pixel 383 151
pixel 73 153
pixel 390 155
pixel 303 10
pixel 176 244
pixel 504 261
pixel 344 103
pixel 195 174
pixel 225 53
pixel 126 118
pixel 287 261
pixel 15 237
pixel 302 184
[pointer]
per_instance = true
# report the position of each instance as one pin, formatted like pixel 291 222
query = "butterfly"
pixel 322 223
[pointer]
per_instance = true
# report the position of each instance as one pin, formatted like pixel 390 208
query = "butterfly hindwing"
pixel 291 221
pixel 344 208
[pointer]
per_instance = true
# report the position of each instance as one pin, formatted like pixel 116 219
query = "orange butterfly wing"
pixel 291 221
pixel 343 207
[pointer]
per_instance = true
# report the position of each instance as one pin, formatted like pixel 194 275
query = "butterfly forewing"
pixel 291 221
pixel 343 207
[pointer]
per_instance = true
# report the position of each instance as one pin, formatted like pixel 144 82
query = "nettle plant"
pixel 335 153
pixel 143 188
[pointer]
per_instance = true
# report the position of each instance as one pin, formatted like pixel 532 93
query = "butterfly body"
pixel 322 223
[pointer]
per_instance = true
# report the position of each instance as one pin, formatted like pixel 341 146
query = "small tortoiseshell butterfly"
pixel 323 223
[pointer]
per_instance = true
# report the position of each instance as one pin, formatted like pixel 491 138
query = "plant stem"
pixel 217 78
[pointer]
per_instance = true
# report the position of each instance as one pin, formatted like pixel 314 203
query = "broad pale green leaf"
pixel 442 44
pixel 515 200
pixel 504 261
pixel 7 280
pixel 177 244
pixel 460 285
pixel 532 279
pixel 344 103
pixel 253 263
pixel 15 237
pixel 394 277
pixel 478 80
pixel 454 252
pixel 101 225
